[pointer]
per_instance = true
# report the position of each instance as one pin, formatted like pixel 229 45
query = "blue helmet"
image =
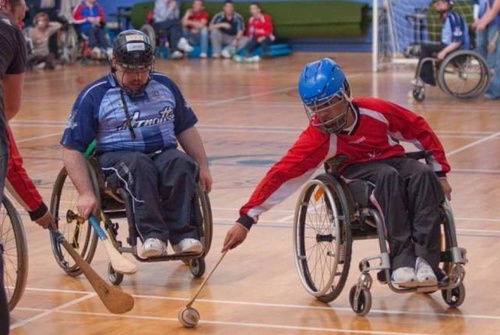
pixel 319 82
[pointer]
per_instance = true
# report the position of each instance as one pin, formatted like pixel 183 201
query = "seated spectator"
pixel 39 35
pixel 194 23
pixel 259 32
pixel 89 15
pixel 486 40
pixel 454 36
pixel 227 28
pixel 166 18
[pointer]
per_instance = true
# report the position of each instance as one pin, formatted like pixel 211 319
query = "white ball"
pixel 189 317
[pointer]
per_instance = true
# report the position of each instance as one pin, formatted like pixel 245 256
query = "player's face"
pixel 331 114
pixel 133 79
pixel 441 5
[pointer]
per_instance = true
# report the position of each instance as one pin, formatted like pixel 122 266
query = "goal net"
pixel 400 26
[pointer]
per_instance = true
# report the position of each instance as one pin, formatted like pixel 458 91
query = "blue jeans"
pixel 493 90
pixel 482 39
pixel 200 38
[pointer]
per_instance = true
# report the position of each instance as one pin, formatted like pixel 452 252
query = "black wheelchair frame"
pixel 342 214
pixel 116 204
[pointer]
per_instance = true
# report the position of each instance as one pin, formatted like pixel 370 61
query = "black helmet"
pixel 132 49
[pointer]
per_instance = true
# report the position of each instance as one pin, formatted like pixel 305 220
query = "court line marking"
pixel 239 324
pixel 90 294
pixel 470 145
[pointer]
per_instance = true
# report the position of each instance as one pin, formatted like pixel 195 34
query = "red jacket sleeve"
pixel 20 184
pixel 287 175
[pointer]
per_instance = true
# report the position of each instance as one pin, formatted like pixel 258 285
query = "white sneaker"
pixel 96 53
pixel 203 55
pixel 425 274
pixel 417 82
pixel 109 52
pixel 177 55
pixel 153 247
pixel 184 45
pixel 253 59
pixel 238 58
pixel 227 52
pixel 188 245
pixel 404 277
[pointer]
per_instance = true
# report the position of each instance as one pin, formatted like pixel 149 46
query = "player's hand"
pixel 206 179
pixel 46 220
pixel 441 55
pixel 446 188
pixel 86 205
pixel 235 236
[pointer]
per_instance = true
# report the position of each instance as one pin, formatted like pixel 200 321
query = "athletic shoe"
pixel 252 59
pixel 238 58
pixel 184 45
pixel 203 55
pixel 417 82
pixel 188 245
pixel 153 247
pixel 228 52
pixel 216 56
pixel 404 277
pixel 177 55
pixel 425 274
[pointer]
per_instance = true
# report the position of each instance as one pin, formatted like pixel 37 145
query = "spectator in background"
pixel 227 28
pixel 487 39
pixel 39 35
pixel 89 15
pixel 454 36
pixel 166 17
pixel 259 32
pixel 493 91
pixel 195 26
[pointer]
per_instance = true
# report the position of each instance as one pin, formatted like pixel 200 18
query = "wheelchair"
pixel 14 247
pixel 115 205
pixel 330 214
pixel 463 74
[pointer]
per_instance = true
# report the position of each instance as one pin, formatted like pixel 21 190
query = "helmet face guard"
pixel 322 86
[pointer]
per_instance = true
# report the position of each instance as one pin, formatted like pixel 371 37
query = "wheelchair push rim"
pixel 322 254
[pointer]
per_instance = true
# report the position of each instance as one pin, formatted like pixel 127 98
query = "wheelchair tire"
pixel 418 94
pixel 364 303
pixel 454 297
pixel 114 277
pixel 71 49
pixel 80 235
pixel 15 252
pixel 150 31
pixel 203 217
pixel 464 74
pixel 197 266
pixel 322 238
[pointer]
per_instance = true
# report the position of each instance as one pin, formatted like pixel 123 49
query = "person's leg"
pixel 427 71
pixel 92 39
pixel 203 40
pixel 390 198
pixel 493 91
pixel 425 196
pixel 266 43
pixel 136 173
pixel 101 39
pixel 174 33
pixel 250 46
pixel 490 57
pixel 482 43
pixel 216 41
pixel 178 181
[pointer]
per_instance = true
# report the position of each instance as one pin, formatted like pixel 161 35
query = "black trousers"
pixel 162 187
pixel 173 31
pixel 427 72
pixel 253 43
pixel 408 194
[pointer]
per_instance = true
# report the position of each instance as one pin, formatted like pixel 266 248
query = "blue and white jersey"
pixel 455 30
pixel 156 117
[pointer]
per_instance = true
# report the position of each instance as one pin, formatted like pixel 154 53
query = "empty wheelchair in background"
pixel 14 247
pixel 116 205
pixel 463 74
pixel 330 214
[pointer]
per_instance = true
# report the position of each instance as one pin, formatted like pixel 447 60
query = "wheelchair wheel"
pixel 79 234
pixel 14 247
pixel 197 266
pixel 70 45
pixel 203 218
pixel 114 277
pixel 455 296
pixel 418 94
pixel 322 238
pixel 464 75
pixel 362 305
pixel 150 31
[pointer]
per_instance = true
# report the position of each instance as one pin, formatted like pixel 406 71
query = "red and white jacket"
pixel 261 26
pixel 379 127
pixel 20 184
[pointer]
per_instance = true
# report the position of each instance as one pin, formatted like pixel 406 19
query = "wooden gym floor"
pixel 249 114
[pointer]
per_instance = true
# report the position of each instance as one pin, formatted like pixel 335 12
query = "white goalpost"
pixel 400 26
